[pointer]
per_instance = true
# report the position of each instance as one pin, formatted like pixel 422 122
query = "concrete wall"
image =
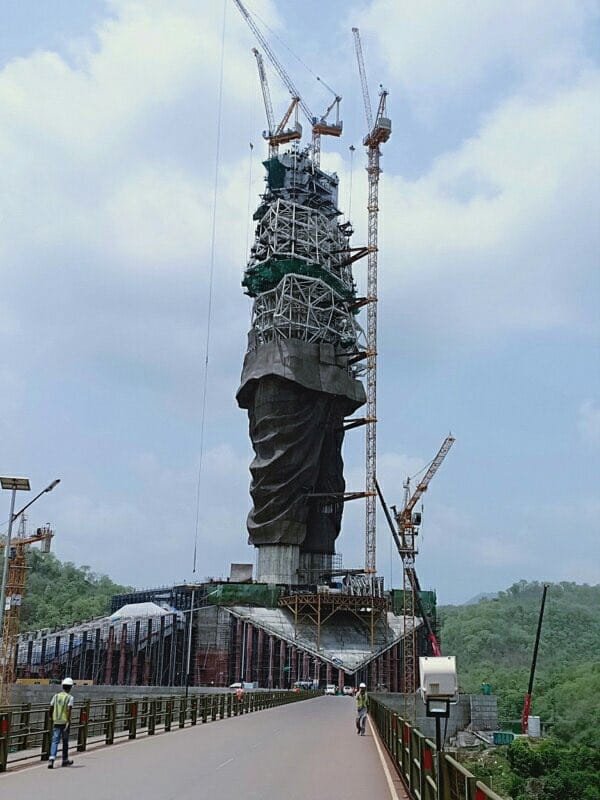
pixel 460 714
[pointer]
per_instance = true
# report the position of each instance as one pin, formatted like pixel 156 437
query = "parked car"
pixel 330 688
pixel 348 690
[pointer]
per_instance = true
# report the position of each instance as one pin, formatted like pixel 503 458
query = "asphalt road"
pixel 304 751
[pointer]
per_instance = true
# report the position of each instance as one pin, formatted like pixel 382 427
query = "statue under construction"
pixel 298 379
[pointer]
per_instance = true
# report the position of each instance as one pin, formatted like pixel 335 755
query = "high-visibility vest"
pixel 60 706
pixel 362 701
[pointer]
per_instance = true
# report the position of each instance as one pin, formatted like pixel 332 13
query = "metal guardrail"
pixel 26 730
pixel 415 759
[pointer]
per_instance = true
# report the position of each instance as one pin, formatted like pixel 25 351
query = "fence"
pixel 26 731
pixel 415 759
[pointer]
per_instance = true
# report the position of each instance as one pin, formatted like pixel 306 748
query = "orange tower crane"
pixel 15 590
pixel 408 522
pixel 320 126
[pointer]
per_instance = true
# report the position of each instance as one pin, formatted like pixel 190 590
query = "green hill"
pixel 493 640
pixel 59 593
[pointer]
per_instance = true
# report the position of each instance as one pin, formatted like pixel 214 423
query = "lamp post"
pixel 15 485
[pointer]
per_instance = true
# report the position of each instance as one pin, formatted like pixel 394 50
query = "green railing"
pixel 26 730
pixel 415 759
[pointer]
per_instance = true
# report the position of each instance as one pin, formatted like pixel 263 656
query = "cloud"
pixel 441 53
pixel 500 235
pixel 588 421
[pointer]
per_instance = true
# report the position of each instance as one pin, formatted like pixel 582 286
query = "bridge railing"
pixel 415 759
pixel 26 730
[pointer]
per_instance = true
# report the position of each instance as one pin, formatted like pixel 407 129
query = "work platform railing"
pixel 26 730
pixel 415 759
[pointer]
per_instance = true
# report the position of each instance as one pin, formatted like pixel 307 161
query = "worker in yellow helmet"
pixel 61 706
pixel 362 707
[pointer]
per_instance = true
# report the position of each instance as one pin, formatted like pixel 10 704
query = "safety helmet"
pixel 67 682
pixel 362 686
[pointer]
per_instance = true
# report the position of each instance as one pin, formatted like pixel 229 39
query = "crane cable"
pixel 210 286
pixel 291 52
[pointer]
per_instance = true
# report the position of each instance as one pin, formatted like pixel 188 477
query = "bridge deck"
pixel 304 751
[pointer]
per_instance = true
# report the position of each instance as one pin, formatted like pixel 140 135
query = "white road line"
pixel 229 760
pixel 388 777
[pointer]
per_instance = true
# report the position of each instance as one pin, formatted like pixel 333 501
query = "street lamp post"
pixel 15 485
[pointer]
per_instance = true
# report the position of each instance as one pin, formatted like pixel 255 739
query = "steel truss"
pixel 316 609
pixel 292 231
pixel 306 309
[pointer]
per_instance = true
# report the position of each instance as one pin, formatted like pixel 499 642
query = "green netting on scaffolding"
pixel 428 599
pixel 275 173
pixel 265 276
pixel 245 594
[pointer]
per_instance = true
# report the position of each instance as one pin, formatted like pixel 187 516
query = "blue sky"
pixel 489 282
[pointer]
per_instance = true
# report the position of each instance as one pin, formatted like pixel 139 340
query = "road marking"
pixel 388 777
pixel 229 760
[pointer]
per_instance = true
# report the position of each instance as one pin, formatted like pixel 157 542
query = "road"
pixel 303 751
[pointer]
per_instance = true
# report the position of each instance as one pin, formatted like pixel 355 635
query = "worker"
pixel 61 706
pixel 362 706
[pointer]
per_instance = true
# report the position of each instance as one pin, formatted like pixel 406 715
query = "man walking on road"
pixel 362 706
pixel 60 709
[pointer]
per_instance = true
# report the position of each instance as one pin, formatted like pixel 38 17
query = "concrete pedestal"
pixel 278 563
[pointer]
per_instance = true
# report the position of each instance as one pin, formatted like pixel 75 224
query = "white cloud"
pixel 502 232
pixel 438 52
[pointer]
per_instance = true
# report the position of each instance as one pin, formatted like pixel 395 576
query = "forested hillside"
pixel 493 641
pixel 59 593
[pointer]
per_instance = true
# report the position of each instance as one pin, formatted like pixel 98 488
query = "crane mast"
pixel 379 131
pixel 15 589
pixel 408 524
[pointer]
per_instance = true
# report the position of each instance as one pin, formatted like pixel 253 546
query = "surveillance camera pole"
pixel 440 709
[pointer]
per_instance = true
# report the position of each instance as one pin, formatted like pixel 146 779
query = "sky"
pixel 116 169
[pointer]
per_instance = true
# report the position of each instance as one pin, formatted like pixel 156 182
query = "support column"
pixel 42 670
pixel 393 669
pixel 134 659
pixel 148 652
pixel 282 664
pixel 328 673
pixel 270 674
pixel 238 650
pixel 249 647
pixel 341 680
pixel 316 672
pixel 260 657
pixel 306 667
pixel 96 657
pixel 82 656
pixel 160 653
pixel 122 655
pixel 294 666
pixel 29 659
pixel 109 657
pixel 70 654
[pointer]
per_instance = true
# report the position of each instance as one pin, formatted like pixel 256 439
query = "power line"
pixel 210 285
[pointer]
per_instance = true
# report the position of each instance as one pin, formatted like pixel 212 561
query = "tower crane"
pixel 320 126
pixel 407 525
pixel 276 135
pixel 379 131
pixel 15 590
